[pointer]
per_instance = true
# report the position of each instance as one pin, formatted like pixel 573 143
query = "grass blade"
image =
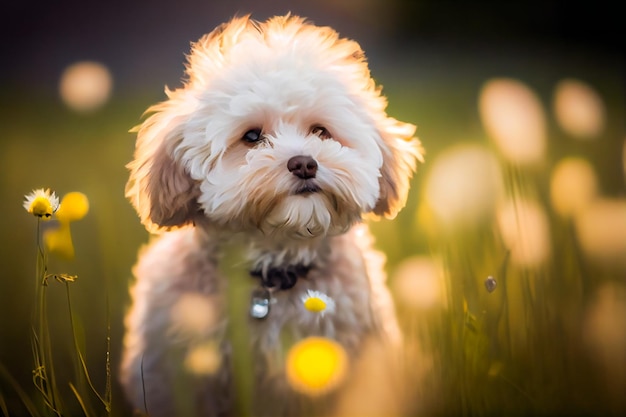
pixel 79 398
pixel 28 404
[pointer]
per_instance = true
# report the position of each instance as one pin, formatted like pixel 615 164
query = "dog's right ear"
pixel 160 189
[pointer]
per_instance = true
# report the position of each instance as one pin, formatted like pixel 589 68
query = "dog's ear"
pixel 401 152
pixel 160 189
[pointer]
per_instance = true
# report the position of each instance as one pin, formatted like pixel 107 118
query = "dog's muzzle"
pixel 307 188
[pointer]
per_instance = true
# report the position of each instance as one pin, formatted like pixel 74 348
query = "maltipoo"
pixel 278 144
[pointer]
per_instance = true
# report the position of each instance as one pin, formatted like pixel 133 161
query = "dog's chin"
pixel 306 214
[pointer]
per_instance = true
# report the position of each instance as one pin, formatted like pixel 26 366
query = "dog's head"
pixel 279 128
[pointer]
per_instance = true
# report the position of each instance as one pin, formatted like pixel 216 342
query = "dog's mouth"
pixel 307 188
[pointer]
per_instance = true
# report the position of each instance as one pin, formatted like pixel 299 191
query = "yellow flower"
pixel 318 302
pixel 41 203
pixel 316 365
pixel 74 206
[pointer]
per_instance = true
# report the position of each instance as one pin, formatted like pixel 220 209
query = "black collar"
pixel 283 277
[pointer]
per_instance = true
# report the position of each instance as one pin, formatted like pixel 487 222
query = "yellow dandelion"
pixel 318 302
pixel 41 203
pixel 316 365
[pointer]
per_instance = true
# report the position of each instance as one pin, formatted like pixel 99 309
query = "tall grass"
pixel 50 399
pixel 546 341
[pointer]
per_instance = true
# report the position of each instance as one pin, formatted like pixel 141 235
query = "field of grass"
pixel 549 339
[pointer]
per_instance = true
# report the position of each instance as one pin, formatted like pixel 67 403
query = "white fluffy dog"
pixel 277 144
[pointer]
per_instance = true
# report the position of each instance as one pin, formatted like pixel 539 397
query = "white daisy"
pixel 41 203
pixel 318 302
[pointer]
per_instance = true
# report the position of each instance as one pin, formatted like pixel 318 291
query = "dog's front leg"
pixel 175 360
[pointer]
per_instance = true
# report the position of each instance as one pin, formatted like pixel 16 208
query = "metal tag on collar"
pixel 260 303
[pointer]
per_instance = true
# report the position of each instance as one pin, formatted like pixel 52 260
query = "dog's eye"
pixel 252 136
pixel 321 131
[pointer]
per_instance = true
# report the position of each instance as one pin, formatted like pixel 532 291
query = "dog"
pixel 277 145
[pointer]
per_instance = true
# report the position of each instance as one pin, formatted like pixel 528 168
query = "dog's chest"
pixel 331 302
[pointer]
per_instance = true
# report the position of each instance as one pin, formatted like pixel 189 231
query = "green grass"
pixel 519 350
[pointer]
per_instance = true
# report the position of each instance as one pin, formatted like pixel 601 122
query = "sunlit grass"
pixel 549 340
pixel 557 266
pixel 49 399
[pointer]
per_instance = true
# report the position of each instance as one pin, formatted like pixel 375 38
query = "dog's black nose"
pixel 302 166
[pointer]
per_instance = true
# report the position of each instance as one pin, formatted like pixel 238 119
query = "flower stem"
pixel 43 374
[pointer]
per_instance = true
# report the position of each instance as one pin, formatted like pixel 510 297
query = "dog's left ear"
pixel 401 152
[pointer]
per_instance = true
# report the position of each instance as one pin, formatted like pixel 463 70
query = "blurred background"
pixel 508 263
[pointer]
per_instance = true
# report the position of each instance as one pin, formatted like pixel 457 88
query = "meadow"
pixel 508 264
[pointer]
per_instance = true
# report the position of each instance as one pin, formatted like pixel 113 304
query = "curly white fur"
pixel 198 183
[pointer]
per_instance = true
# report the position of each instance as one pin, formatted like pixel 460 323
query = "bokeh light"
pixel 73 207
pixel 316 365
pixel 524 228
pixel 514 118
pixel 463 184
pixel 59 241
pixel 601 230
pixel 604 331
pixel 374 388
pixel 418 283
pixel 85 86
pixel 203 359
pixel 578 109
pixel 193 316
pixel 573 185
